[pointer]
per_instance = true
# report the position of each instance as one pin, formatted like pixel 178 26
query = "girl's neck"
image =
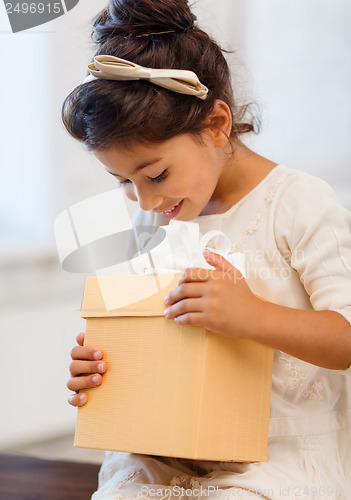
pixel 241 173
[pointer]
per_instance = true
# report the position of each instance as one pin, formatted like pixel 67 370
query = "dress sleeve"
pixel 313 233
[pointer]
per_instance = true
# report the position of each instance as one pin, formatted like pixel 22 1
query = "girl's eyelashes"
pixel 160 177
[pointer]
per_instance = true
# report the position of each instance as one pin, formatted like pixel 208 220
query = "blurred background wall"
pixel 291 58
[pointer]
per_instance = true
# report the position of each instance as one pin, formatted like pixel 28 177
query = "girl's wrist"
pixel 257 320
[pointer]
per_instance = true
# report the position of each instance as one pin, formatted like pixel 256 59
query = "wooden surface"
pixel 27 478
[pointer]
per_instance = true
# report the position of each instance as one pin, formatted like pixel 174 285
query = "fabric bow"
pixel 182 248
pixel 178 80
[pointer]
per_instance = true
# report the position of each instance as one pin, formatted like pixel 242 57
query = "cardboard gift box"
pixel 170 390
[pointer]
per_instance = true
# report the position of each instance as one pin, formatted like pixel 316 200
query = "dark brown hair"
pixel 157 34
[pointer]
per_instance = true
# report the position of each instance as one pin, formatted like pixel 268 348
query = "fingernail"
pixel 167 313
pixel 101 367
pixel 98 355
pixel 167 298
pixel 82 397
pixel 96 379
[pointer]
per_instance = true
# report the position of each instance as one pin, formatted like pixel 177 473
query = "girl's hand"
pixel 219 300
pixel 85 369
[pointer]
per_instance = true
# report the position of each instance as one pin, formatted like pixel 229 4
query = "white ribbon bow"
pixel 183 247
pixel 178 80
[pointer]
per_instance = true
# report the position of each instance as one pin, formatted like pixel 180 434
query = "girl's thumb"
pixel 217 261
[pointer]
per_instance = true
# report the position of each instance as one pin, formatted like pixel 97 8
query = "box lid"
pixel 135 295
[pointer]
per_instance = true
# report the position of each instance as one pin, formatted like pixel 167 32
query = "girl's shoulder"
pixel 308 212
pixel 297 182
pixel 300 191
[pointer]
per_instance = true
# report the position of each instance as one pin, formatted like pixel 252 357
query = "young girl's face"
pixel 176 178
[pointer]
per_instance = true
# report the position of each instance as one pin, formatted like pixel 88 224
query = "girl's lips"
pixel 173 212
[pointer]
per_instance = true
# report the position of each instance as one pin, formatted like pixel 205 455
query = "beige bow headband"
pixel 178 80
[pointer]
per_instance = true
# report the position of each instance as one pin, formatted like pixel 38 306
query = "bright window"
pixel 25 218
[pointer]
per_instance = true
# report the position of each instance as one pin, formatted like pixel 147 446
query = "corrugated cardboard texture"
pixel 172 390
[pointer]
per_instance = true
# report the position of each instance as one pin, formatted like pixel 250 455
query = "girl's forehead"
pixel 123 159
pixel 135 151
pixel 133 154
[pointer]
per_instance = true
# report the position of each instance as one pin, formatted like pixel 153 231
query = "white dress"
pixel 297 242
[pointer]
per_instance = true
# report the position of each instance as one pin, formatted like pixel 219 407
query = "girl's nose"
pixel 147 199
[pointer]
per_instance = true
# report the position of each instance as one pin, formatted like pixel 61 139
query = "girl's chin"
pixel 185 218
pixel 188 216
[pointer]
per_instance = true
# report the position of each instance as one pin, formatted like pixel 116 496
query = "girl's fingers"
pixel 78 399
pixel 191 290
pixel 80 338
pixel 190 319
pixel 195 274
pixel 88 353
pixel 183 307
pixel 79 367
pixel 84 382
pixel 86 369
pixel 217 261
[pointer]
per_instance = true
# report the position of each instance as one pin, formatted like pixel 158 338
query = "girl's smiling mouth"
pixel 171 213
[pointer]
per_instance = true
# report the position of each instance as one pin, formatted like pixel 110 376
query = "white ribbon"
pixel 182 248
pixel 178 80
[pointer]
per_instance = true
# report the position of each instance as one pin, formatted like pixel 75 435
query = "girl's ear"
pixel 220 123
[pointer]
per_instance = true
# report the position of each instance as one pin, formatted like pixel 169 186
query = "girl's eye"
pixel 160 177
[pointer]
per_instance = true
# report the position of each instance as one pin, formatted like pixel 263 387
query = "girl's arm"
pixel 222 302
pixel 322 338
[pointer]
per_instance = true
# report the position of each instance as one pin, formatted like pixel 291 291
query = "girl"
pixel 173 141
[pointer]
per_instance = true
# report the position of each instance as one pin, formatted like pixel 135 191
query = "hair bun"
pixel 138 17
